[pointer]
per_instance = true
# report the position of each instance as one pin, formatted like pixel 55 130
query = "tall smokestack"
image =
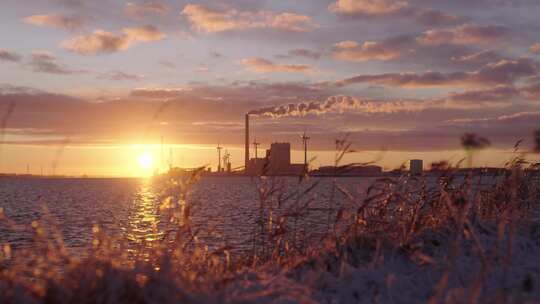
pixel 247 143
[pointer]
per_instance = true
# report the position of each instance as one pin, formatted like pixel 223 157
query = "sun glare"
pixel 146 161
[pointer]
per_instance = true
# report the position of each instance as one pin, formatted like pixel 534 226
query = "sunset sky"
pixel 86 87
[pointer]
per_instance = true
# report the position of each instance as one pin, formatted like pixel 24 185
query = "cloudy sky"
pixel 86 85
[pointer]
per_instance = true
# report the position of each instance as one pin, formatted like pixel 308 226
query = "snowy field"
pixel 449 239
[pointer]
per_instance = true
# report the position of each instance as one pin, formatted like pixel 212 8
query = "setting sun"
pixel 146 161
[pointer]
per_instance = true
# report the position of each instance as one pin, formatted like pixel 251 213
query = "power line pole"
pixel 219 157
pixel 256 146
pixel 305 140
pixel 227 161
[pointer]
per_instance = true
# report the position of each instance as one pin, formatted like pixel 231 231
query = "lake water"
pixel 224 209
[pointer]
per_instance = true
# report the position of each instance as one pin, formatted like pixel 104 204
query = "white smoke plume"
pixel 341 104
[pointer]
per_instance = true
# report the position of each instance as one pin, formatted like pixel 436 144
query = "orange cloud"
pixel 69 23
pixel 97 42
pixel 290 22
pixel 532 91
pixel 266 66
pixel 106 42
pixel 392 8
pixel 149 7
pixel 535 48
pixel 369 50
pixel 209 20
pixel 368 7
pixel 464 34
pixel 143 34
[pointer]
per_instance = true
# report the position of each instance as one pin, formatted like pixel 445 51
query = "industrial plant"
pixel 276 161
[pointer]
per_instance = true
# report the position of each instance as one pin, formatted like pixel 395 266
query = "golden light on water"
pixel 143 221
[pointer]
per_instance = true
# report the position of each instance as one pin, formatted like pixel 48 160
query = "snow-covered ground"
pixel 405 243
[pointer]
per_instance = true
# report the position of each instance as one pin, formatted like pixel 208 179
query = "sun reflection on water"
pixel 143 224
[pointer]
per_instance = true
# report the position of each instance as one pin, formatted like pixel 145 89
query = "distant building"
pixel 416 166
pixel 276 162
pixel 279 158
pixel 256 166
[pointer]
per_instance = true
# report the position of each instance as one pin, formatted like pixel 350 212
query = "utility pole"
pixel 256 146
pixel 227 161
pixel 219 157
pixel 305 140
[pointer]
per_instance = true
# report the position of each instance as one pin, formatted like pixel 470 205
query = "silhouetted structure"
pixel 256 147
pixel 279 157
pixel 256 166
pixel 416 166
pixel 276 162
pixel 219 158
pixel 305 140
pixel 227 161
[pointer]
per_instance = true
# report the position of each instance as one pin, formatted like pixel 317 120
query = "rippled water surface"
pixel 224 209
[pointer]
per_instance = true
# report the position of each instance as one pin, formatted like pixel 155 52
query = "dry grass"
pixel 454 238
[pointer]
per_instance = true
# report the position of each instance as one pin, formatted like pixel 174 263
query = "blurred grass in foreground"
pixel 455 238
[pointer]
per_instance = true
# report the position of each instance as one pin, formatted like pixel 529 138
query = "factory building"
pixel 279 157
pixel 276 162
pixel 256 166
pixel 416 166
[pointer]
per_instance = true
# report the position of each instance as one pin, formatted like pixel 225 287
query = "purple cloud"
pixel 496 73
pixel 45 62
pixel 6 55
